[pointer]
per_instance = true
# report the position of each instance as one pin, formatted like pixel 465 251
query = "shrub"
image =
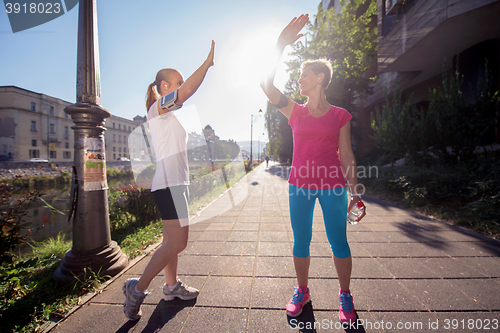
pixel 11 219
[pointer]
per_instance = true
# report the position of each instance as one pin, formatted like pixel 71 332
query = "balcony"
pixel 433 30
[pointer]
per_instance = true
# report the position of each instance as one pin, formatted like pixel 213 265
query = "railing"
pixel 389 21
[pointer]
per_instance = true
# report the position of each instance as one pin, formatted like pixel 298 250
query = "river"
pixel 42 222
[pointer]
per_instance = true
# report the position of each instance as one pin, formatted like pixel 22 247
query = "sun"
pixel 249 55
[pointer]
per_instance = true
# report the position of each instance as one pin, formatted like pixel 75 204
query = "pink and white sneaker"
pixel 296 304
pixel 346 312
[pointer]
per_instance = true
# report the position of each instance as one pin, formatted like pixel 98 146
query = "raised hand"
pixel 291 34
pixel 210 58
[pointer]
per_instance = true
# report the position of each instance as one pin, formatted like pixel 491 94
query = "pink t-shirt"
pixel 316 162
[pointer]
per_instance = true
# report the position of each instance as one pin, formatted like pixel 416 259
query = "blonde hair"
pixel 320 66
pixel 152 95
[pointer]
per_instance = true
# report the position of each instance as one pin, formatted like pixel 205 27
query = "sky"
pixel 136 39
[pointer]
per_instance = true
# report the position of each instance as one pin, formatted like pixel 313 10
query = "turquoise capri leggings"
pixel 334 205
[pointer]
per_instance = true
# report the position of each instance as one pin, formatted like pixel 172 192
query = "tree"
pixel 279 133
pixel 349 41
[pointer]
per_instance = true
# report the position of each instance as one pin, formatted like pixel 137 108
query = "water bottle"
pixel 356 211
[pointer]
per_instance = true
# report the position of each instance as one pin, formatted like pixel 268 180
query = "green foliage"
pixel 279 134
pixel 139 203
pixel 222 149
pixel 57 246
pixel 90 280
pixel 401 130
pixel 466 193
pixel 456 127
pixel 450 130
pixel 11 219
pixel 133 244
pixel 349 41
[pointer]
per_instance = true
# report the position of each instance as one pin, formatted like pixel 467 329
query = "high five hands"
pixel 291 34
pixel 210 58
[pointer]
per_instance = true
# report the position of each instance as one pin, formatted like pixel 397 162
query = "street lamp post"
pixel 252 119
pixel 92 246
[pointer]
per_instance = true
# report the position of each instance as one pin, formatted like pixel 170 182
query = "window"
pixel 33 143
pixel 67 154
pixel 119 126
pixel 66 145
pixel 51 111
pixel 113 125
pixel 53 154
pixel 66 130
pixel 114 148
pixel 34 153
pixel 33 126
pixel 119 149
pixel 114 156
pixel 129 128
pixel 119 138
pixel 65 115
pixel 33 106
pixel 52 128
pixel 114 138
pixel 124 150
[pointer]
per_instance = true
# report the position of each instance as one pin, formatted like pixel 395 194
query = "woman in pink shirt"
pixel 322 155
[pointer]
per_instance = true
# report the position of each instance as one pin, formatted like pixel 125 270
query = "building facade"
pixel 34 125
pixel 416 38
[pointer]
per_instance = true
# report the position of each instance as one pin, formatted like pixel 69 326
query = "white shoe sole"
pixel 298 314
pixel 184 298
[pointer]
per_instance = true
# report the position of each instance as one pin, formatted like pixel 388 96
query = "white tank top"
pixel 170 145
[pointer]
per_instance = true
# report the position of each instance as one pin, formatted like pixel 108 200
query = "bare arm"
pixel 288 36
pixel 188 88
pixel 349 164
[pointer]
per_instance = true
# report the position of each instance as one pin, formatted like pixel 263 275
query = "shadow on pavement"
pixel 306 323
pixel 279 170
pixel 163 313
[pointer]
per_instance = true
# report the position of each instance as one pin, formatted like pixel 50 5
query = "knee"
pixel 301 251
pixel 342 251
pixel 180 245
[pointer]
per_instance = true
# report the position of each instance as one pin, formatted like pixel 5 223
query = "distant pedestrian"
pixel 267 161
pixel 170 184
pixel 322 152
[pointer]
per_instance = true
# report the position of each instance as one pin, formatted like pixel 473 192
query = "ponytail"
pixel 151 96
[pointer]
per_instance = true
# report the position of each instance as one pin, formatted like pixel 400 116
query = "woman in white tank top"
pixel 169 184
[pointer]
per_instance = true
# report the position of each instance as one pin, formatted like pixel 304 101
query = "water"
pixel 41 222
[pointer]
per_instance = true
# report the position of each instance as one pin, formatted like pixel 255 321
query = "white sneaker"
pixel 133 300
pixel 180 291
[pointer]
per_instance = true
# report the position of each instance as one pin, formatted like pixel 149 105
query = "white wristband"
pixel 355 195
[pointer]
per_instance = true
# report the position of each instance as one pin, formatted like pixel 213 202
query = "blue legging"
pixel 334 205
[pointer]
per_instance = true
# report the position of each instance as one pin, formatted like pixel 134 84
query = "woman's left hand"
pixel 210 58
pixel 354 200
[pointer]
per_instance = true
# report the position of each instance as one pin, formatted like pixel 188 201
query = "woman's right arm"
pixel 188 88
pixel 288 36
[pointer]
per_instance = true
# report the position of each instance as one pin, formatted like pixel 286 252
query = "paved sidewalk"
pixel 409 272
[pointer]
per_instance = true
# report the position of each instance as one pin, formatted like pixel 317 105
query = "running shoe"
pixel 133 300
pixel 296 304
pixel 180 291
pixel 346 312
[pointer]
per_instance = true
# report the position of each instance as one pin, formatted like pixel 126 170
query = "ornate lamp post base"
pixel 109 260
pixel 92 247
